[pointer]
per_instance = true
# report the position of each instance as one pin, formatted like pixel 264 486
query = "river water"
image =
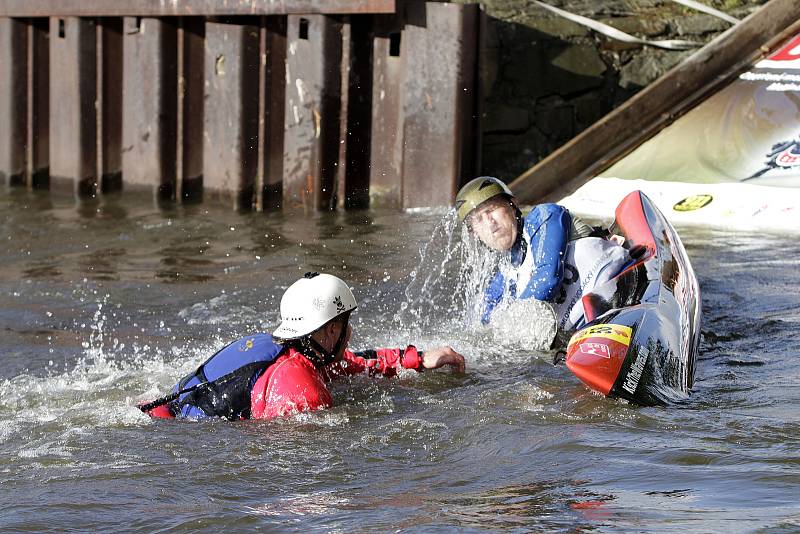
pixel 107 304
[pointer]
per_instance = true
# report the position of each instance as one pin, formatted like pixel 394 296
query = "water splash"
pixel 446 292
pixel 446 285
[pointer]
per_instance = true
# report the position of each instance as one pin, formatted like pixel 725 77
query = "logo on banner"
pixel 779 70
pixel 783 155
pixel 694 202
pixel 787 57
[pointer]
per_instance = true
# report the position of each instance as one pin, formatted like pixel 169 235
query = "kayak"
pixel 641 339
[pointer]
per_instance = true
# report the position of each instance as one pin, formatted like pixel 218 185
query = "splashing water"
pixel 447 287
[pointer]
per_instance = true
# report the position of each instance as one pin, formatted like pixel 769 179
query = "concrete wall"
pixel 546 78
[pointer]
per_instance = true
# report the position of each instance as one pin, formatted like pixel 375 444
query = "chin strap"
pixel 311 348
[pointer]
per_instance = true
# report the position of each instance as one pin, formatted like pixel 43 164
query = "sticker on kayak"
pixel 596 349
pixel 694 202
pixel 615 332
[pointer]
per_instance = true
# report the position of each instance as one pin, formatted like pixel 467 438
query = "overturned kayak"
pixel 643 333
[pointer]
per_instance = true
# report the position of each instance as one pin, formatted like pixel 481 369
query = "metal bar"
pixel 156 8
pixel 660 103
pixel 14 98
pixel 73 158
pixel 230 155
pixel 149 104
pixel 313 78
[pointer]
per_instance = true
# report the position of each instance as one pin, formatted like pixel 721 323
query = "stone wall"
pixel 547 78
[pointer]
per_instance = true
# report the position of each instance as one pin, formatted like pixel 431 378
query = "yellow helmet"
pixel 476 192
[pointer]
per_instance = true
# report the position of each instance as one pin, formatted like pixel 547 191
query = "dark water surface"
pixel 107 304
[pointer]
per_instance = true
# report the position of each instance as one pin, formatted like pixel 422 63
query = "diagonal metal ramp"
pixel 657 105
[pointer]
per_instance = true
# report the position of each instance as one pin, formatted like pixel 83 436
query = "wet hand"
pixel 441 356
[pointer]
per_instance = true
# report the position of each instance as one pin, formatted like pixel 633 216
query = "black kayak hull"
pixel 643 334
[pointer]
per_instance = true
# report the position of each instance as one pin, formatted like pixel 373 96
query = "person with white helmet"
pixel 554 256
pixel 264 376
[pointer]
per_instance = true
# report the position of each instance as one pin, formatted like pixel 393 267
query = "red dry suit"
pixel 293 384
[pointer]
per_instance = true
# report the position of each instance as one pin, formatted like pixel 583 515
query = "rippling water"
pixel 106 304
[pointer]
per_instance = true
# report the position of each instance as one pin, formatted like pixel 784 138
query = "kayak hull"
pixel 643 333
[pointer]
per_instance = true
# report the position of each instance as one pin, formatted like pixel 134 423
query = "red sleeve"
pixel 378 361
pixel 290 385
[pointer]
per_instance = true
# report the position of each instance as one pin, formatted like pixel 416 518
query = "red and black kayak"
pixel 643 333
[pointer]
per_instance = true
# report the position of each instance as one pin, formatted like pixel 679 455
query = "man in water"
pixel 262 376
pixel 554 256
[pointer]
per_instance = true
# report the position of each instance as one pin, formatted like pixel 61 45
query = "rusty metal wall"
pixel 355 154
pixel 37 150
pixel 386 169
pixel 230 149
pixel 13 100
pixel 258 112
pixel 149 8
pixel 313 87
pixel 73 90
pixel 149 104
pixel 24 68
pixel 190 107
pixel 439 81
pixel 426 104
pixel 109 105
pixel 273 91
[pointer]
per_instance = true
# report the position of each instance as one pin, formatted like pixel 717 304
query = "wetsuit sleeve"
pixel 378 361
pixel 492 296
pixel 548 227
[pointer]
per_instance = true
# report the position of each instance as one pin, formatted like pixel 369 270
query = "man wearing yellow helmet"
pixel 554 256
pixel 262 376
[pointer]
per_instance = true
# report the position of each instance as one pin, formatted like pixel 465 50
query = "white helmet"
pixel 311 302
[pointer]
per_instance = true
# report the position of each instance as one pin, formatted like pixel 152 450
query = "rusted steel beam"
pixel 440 42
pixel 109 104
pixel 272 91
pixel 313 90
pixel 386 143
pixel 73 91
pixel 354 160
pixel 160 8
pixel 13 100
pixel 230 150
pixel 660 103
pixel 191 108
pixel 149 104
pixel 37 153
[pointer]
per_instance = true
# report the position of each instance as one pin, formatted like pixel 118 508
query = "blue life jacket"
pixel 230 374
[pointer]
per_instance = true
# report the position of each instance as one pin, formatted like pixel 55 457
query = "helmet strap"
pixel 314 351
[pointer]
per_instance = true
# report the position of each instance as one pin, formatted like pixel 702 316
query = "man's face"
pixel 495 223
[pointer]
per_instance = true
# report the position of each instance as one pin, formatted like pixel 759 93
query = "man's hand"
pixel 441 356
